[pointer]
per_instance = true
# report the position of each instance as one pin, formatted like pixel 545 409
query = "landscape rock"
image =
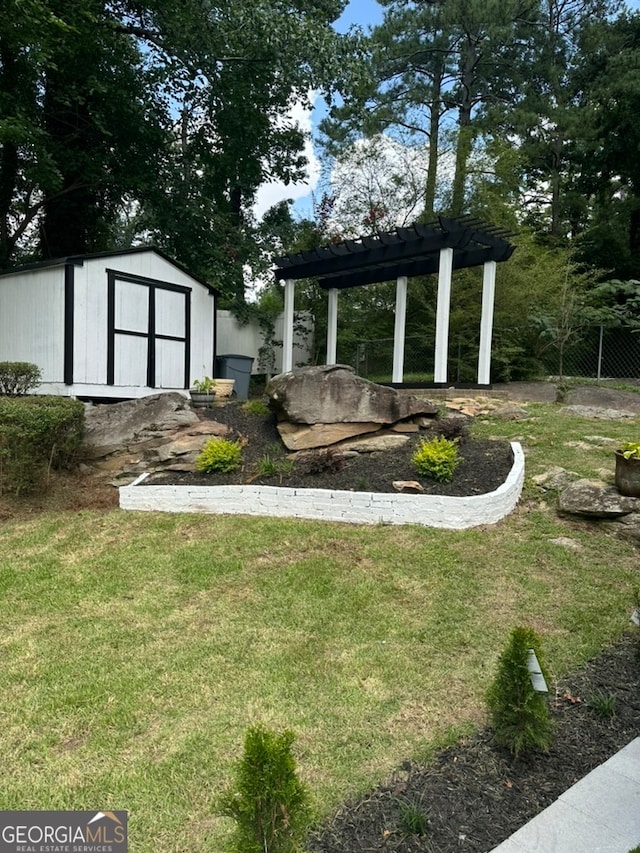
pixel 110 427
pixel 304 437
pixel 555 478
pixel 408 486
pixel 599 413
pixel 511 413
pixel 566 542
pixel 330 394
pixel 382 440
pixel 629 525
pixel 182 445
pixel 596 499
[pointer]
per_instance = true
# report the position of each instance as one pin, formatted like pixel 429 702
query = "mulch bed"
pixel 475 795
pixel 485 464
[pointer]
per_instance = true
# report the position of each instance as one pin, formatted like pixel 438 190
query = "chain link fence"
pixel 598 353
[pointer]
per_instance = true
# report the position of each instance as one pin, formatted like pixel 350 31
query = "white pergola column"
pixel 287 332
pixel 399 329
pixel 442 315
pixel 486 322
pixel 332 325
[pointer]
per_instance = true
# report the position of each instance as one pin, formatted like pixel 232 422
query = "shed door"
pixel 149 332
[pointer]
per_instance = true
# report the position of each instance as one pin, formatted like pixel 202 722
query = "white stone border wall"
pixel 327 505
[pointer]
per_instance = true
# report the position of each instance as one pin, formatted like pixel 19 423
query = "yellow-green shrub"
pixel 219 455
pixel 437 458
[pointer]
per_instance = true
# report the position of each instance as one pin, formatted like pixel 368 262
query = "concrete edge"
pixel 452 513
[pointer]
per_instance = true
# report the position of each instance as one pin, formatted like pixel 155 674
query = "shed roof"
pixel 78 260
pixel 403 252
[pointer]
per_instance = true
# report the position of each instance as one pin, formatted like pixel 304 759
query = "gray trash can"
pixel 236 367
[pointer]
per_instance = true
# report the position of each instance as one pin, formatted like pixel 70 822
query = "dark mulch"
pixel 475 795
pixel 484 467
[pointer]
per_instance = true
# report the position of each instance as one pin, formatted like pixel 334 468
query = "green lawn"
pixel 136 648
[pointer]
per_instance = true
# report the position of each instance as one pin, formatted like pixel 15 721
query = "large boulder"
pixel 110 427
pixel 330 394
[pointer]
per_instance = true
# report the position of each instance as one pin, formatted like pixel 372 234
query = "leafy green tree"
pixel 606 155
pixel 155 121
pixel 433 68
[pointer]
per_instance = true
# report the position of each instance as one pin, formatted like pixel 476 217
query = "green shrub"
pixel 270 805
pixel 18 378
pixel 414 819
pixel 255 407
pixel 219 454
pixel 519 714
pixel 603 704
pixel 272 466
pixel 437 458
pixel 36 434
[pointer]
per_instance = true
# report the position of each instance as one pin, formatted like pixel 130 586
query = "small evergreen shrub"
pixel 519 714
pixel 437 458
pixel 219 455
pixel 17 378
pixel 36 434
pixel 267 800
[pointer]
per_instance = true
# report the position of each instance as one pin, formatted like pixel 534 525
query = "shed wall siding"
pixel 32 320
pixel 90 321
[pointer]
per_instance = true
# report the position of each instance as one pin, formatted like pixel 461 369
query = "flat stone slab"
pixel 599 413
pixel 596 499
pixel 303 437
pixel 599 814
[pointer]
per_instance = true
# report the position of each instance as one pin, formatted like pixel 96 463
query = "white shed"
pixel 112 325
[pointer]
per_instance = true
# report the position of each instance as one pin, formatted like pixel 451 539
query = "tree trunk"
pixel 434 144
pixel 555 180
pixel 468 62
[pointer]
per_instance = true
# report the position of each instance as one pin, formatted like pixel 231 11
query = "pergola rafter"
pixel 440 246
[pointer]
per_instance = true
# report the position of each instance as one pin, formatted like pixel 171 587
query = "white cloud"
pixel 270 194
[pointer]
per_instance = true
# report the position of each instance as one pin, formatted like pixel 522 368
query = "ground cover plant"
pixel 137 649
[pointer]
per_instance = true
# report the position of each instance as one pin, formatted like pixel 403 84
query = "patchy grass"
pixel 137 648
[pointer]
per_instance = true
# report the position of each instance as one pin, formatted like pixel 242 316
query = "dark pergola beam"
pixel 405 251
pixel 462 259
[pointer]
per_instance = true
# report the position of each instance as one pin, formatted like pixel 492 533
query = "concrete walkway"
pixel 599 814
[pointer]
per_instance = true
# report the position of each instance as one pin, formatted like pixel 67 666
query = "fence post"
pixel 599 373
